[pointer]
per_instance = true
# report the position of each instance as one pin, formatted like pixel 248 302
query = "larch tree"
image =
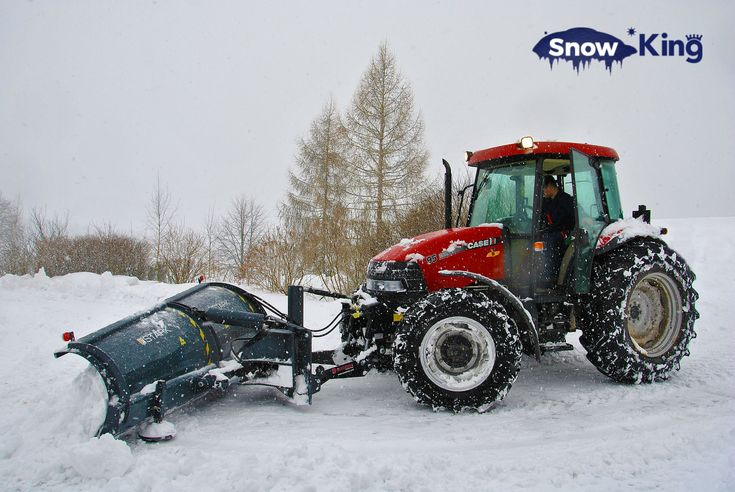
pixel 315 209
pixel 385 133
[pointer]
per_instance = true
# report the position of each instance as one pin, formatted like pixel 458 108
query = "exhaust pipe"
pixel 447 195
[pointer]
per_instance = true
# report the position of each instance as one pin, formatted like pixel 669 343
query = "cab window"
pixel 505 195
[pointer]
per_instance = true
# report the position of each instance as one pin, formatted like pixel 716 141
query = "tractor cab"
pixel 453 309
pixel 508 190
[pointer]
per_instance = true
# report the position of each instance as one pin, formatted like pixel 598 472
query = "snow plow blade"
pixel 189 344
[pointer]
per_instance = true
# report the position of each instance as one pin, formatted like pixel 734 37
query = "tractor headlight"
pixel 385 285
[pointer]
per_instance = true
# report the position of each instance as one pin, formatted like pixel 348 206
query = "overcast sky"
pixel 98 97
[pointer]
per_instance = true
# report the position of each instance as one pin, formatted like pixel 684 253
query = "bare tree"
pixel 280 263
pixel 45 228
pixel 160 213
pixel 182 257
pixel 241 229
pixel 211 255
pixel 386 136
pixel 46 236
pixel 15 253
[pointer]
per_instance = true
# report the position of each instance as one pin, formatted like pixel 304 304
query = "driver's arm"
pixel 566 213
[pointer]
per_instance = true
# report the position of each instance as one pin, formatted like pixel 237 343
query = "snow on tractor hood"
pixel 475 249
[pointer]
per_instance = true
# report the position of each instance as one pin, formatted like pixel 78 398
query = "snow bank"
pixel 101 457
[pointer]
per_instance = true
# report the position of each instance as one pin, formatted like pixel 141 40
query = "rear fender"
pixel 512 304
pixel 621 232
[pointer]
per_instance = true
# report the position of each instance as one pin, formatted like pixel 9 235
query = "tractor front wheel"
pixel 458 350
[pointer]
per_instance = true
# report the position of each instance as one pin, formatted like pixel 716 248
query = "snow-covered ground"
pixel 563 425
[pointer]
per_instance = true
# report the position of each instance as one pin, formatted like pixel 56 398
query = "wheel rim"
pixel 457 353
pixel 654 314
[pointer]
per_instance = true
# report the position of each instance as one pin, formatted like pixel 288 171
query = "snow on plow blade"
pixel 188 344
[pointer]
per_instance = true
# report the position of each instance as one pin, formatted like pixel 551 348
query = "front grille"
pixel 408 272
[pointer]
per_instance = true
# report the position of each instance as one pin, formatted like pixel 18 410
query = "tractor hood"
pixel 473 249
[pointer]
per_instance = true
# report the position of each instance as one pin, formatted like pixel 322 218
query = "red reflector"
pixel 538 246
pixel 68 336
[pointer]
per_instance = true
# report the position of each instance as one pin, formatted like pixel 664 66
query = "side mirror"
pixel 642 212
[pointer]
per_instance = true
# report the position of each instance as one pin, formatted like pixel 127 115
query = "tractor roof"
pixel 557 148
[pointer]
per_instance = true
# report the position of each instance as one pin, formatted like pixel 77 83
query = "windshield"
pixel 505 195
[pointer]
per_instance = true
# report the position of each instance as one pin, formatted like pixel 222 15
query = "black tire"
pixel 471 351
pixel 638 319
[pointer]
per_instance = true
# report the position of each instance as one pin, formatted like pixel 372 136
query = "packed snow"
pixel 406 243
pixel 626 229
pixel 415 257
pixel 563 426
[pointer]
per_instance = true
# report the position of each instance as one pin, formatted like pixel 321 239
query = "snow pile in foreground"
pixel 562 426
pixel 103 457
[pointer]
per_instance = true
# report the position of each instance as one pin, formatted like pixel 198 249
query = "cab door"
pixel 590 215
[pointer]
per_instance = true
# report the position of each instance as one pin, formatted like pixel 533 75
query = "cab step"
pixel 555 347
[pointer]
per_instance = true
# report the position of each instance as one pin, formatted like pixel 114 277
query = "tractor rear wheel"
pixel 457 349
pixel 639 318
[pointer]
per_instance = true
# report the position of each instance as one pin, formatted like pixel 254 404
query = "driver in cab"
pixel 557 222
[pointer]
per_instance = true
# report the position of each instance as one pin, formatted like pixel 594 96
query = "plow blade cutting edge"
pixel 191 343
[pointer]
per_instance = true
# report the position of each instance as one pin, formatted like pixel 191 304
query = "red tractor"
pixel 453 310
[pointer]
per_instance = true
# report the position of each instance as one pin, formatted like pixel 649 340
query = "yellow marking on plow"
pixel 193 323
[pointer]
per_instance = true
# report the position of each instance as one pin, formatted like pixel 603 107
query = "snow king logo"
pixel 582 45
